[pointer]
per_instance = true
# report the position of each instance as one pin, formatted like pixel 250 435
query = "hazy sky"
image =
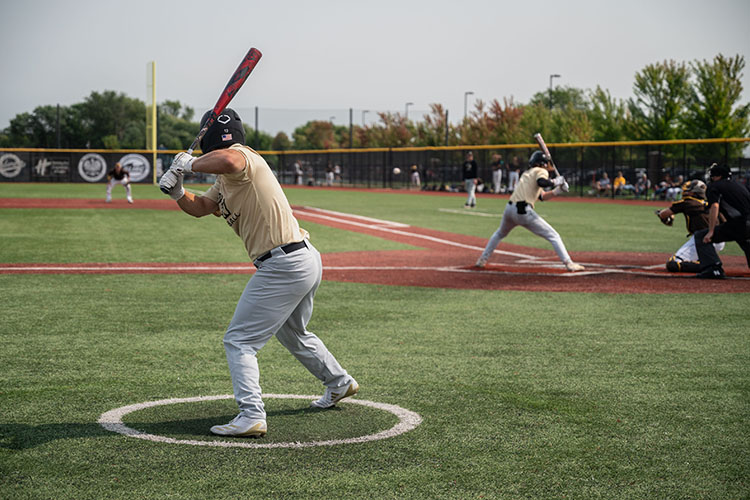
pixel 326 56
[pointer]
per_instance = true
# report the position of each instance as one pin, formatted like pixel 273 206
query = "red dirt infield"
pixel 444 260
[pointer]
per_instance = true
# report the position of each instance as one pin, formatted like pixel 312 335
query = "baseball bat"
pixel 235 82
pixel 238 78
pixel 545 150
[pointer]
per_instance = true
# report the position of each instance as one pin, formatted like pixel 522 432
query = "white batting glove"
pixel 557 190
pixel 183 162
pixel 565 187
pixel 171 184
pixel 558 181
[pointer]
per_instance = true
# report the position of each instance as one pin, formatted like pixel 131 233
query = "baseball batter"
pixel 694 207
pixel 118 175
pixel 533 185
pixel 278 300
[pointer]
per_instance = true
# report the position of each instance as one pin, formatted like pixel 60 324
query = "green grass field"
pixel 522 395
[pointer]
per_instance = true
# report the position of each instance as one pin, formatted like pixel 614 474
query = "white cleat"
pixel 241 426
pixel 333 396
pixel 573 267
pixel 481 262
pixel 130 200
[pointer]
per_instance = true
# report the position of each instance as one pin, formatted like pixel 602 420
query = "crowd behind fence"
pixel 439 168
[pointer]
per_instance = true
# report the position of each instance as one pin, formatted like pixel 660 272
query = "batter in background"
pixel 520 209
pixel 278 299
pixel 694 207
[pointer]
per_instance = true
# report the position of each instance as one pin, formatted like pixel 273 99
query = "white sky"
pixel 326 56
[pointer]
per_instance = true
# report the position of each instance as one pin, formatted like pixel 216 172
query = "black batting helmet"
pixel 538 158
pixel 225 131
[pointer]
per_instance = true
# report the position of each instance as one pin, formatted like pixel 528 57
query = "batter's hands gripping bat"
pixel 235 82
pixel 545 150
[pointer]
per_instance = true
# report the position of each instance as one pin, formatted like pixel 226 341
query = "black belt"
pixel 291 247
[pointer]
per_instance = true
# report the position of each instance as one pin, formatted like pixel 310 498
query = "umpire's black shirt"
pixel 733 198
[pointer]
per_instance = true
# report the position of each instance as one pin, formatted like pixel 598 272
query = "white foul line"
pixel 411 235
pixel 112 421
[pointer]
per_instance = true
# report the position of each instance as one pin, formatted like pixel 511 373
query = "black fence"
pixel 439 169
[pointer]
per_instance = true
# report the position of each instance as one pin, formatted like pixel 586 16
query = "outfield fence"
pixel 439 168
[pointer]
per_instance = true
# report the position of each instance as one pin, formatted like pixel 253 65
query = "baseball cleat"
pixel 481 262
pixel 241 426
pixel 573 267
pixel 333 396
pixel 712 273
pixel 130 200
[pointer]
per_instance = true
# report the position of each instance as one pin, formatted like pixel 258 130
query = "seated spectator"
pixel 674 192
pixel 642 185
pixel 660 191
pixel 619 184
pixel 603 185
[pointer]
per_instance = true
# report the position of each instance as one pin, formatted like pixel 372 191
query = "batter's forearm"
pixel 197 206
pixel 221 161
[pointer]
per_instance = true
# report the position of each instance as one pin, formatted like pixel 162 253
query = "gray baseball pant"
pixel 531 221
pixel 278 300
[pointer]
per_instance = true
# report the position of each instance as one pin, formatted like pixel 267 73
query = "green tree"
pixel 112 114
pixel 713 108
pixel 281 142
pixel 608 116
pixel 505 122
pixel 661 90
pixel 432 130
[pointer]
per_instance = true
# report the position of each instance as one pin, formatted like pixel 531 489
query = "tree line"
pixel 671 100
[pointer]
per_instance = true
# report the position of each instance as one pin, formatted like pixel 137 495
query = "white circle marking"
pixel 112 421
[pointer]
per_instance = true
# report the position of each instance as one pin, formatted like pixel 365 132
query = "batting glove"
pixel 558 181
pixel 183 162
pixel 171 184
pixel 565 187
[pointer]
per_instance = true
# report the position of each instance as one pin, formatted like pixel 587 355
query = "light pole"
pixel 364 112
pixel 406 111
pixel 550 88
pixel 466 94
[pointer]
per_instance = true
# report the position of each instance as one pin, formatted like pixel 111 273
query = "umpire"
pixel 732 200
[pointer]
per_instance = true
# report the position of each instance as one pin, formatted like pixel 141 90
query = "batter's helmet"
pixel 538 158
pixel 225 131
pixel 695 188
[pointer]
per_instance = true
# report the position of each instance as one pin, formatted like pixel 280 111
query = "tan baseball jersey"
pixel 527 189
pixel 255 206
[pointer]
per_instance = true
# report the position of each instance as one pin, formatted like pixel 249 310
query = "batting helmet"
pixel 538 158
pixel 695 188
pixel 225 131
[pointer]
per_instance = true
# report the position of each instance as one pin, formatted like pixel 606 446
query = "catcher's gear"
pixel 538 158
pixel 695 188
pixel 171 184
pixel 667 221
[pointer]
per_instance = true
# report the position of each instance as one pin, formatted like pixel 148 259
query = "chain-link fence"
pixel 440 169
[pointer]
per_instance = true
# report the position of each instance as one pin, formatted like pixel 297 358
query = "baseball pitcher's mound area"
pixel 442 260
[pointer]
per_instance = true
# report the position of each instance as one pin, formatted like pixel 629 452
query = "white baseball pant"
pixel 497 179
pixel 113 182
pixel 688 253
pixel 278 300
pixel 471 189
pixel 531 221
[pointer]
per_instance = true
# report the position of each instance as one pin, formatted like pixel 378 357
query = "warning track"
pixel 444 260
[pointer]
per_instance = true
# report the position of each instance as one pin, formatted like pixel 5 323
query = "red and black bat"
pixel 545 150
pixel 235 82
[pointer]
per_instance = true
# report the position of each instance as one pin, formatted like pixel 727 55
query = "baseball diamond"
pixel 444 261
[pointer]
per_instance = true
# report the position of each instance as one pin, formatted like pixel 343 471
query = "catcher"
pixel 694 207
